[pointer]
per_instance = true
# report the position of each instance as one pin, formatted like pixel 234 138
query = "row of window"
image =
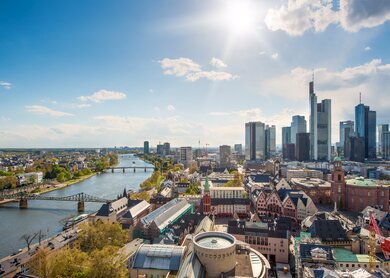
pixel 217 256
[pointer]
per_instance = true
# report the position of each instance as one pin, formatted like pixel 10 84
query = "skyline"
pixel 123 73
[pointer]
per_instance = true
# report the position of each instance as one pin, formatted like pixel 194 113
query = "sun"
pixel 239 17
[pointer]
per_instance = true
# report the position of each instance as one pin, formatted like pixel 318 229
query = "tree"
pixel 28 238
pixel 94 236
pixel 104 263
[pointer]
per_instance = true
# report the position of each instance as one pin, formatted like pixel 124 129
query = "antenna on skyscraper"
pixel 360 97
pixel 312 75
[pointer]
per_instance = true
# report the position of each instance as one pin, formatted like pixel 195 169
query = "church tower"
pixel 206 199
pixel 338 187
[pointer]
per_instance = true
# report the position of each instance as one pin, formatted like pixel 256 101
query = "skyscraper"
pixel 186 156
pixel 320 127
pixel 381 129
pixel 270 138
pixel 302 147
pixel 255 141
pixel 386 145
pixel 146 147
pixel 365 120
pixel 298 125
pixel 238 149
pixel 286 139
pixel 166 148
pixel 346 130
pixel 224 155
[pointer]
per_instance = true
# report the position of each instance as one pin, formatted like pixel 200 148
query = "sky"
pixel 99 73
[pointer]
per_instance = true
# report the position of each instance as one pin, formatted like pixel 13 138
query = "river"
pixel 47 215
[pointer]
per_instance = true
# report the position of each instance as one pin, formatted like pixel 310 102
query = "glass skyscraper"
pixel 366 128
pixel 381 129
pixel 298 125
pixel 255 141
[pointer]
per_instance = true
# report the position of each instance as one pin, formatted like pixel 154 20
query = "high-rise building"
pixel 238 149
pixel 354 149
pixel 298 125
pixel 255 141
pixel 224 155
pixel 386 145
pixel 166 149
pixel 286 139
pixel 270 141
pixel 365 120
pixel 381 129
pixel 320 127
pixel 146 147
pixel 302 147
pixel 289 151
pixel 346 130
pixel 186 156
pixel 160 149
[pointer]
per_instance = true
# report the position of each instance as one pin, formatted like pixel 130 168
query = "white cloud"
pixel 217 63
pixel 151 91
pixel 43 110
pixel 262 52
pixel 82 105
pixel 191 70
pixel 275 56
pixel 298 16
pixel 358 14
pixel 171 108
pixel 367 48
pixel 103 95
pixel 6 85
pixel 211 75
pixel 179 67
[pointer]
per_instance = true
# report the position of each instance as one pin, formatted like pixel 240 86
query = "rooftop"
pixel 344 255
pixel 214 240
pixel 360 181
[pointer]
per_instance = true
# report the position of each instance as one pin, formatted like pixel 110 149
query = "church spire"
pixel 206 184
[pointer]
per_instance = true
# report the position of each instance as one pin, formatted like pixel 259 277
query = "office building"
pixel 302 147
pixel 238 149
pixel 270 141
pixel 166 149
pixel 386 145
pixel 320 127
pixel 381 129
pixel 255 141
pixel 224 155
pixel 146 147
pixel 346 130
pixel 289 151
pixel 365 120
pixel 354 149
pixel 298 125
pixel 286 139
pixel 160 149
pixel 186 157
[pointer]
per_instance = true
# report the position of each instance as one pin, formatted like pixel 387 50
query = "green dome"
pixel 337 158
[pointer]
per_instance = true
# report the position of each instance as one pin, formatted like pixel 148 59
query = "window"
pixel 368 193
pixel 339 189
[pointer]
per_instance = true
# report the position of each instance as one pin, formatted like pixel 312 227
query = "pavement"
pixel 16 262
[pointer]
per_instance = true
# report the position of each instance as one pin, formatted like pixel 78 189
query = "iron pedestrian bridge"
pixel 123 168
pixel 80 198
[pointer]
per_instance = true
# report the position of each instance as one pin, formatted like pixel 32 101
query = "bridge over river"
pixel 80 198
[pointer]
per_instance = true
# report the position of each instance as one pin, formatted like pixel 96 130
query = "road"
pixel 15 263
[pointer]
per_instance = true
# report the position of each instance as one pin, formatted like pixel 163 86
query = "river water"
pixel 48 215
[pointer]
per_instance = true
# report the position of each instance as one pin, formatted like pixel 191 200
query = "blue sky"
pixel 105 73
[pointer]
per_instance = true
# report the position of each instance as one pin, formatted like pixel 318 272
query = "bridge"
pixel 80 198
pixel 123 168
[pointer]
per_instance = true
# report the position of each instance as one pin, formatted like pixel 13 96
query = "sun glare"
pixel 239 17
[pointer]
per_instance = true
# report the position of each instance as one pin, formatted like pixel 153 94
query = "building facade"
pixel 146 147
pixel 302 147
pixel 224 155
pixel 320 127
pixel 255 144
pixel 381 130
pixel 298 125
pixel 186 156
pixel 365 120
pixel 358 193
pixel 270 141
pixel 346 130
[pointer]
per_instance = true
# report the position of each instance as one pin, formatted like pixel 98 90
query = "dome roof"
pixel 337 158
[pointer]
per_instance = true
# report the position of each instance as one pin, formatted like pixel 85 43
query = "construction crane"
pixel 384 242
